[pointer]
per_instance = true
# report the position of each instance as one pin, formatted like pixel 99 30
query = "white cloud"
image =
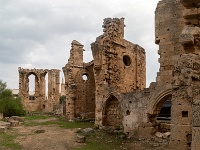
pixel 38 34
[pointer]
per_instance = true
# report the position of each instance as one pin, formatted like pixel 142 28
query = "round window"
pixel 84 77
pixel 126 60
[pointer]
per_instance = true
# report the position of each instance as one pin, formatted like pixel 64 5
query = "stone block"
pixel 145 124
pixel 6 124
pixel 159 134
pixel 21 119
pixel 179 134
pixel 186 39
pixel 14 123
pixel 80 139
pixel 3 129
pixel 15 117
pixel 196 115
pixel 195 138
pixel 6 119
pixel 146 132
pixel 88 131
pixel 40 131
pixel 188 13
pixel 166 135
pixel 166 126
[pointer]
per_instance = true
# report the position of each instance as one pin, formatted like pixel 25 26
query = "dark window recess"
pixel 184 113
pixel 54 90
pixel 126 60
pixel 127 112
pixel 165 112
pixel 31 97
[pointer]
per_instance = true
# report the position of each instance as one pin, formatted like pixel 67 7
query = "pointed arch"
pixel 112 113
pixel 160 99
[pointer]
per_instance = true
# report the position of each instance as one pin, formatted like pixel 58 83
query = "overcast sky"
pixel 38 33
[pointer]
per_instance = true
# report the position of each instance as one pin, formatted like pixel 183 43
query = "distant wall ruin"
pixel 38 101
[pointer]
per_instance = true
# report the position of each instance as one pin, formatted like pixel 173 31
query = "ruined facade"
pixel 118 72
pixel 118 67
pixel 39 101
pixel 79 85
pixel 111 88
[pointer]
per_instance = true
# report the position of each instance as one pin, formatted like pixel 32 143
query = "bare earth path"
pixel 54 137
pixel 57 138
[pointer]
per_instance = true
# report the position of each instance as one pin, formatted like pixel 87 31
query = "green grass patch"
pixel 37 117
pixel 60 122
pixel 76 124
pixel 7 142
pixel 101 140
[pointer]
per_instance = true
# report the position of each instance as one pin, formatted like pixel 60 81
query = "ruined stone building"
pixel 118 67
pixel 112 87
pixel 38 100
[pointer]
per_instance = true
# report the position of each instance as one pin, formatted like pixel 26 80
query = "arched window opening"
pixel 31 87
pixel 46 87
pixel 31 80
pixel 165 112
pixel 162 114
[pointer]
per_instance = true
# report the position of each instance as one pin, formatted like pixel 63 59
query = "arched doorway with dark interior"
pixel 161 118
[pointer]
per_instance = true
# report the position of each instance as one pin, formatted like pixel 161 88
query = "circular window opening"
pixel 126 60
pixel 84 77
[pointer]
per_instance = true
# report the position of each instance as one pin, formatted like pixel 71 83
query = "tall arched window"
pixel 31 86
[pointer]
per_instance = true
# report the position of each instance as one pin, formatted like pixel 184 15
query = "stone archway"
pixel 156 102
pixel 163 124
pixel 37 100
pixel 160 103
pixel 36 84
pixel 112 112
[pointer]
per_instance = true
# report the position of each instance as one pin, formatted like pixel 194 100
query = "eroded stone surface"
pixel 112 87
pixel 38 100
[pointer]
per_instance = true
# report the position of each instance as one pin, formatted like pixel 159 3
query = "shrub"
pixel 10 105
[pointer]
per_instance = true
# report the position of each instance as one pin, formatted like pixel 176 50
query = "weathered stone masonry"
pixel 80 92
pixel 39 102
pixel 119 67
pixel 188 68
pixel 121 98
pixel 112 87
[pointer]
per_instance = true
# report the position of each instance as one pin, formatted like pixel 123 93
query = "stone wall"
pixel 38 101
pixel 119 66
pixel 80 85
pixel 112 87
pixel 188 71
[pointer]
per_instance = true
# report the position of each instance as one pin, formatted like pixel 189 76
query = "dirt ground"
pixel 57 138
pixel 54 137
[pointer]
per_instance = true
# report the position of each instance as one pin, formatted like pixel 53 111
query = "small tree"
pixel 2 86
pixel 10 105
